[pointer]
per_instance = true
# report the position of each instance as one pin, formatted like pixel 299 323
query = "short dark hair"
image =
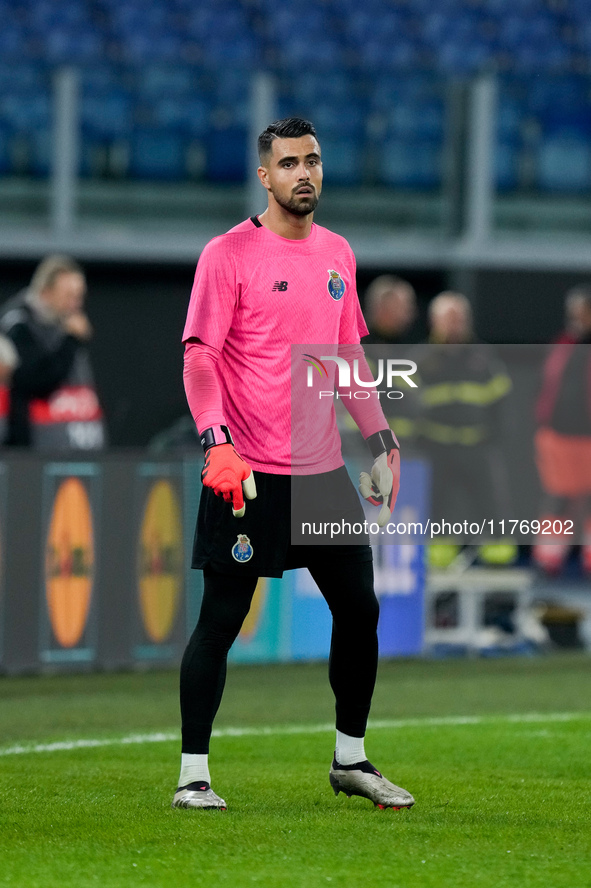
pixel 288 128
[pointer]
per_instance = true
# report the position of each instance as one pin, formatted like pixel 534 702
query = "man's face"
pixel 293 174
pixel 66 294
pixel 451 324
pixel 578 316
pixel 397 310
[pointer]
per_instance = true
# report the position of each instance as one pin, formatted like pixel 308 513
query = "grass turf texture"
pixel 500 802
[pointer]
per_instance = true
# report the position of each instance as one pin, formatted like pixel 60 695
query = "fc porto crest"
pixel 242 549
pixel 336 285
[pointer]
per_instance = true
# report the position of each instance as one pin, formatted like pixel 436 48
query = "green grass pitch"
pixel 502 799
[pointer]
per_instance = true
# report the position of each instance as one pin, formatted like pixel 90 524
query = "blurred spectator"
pixel 462 386
pixel 8 361
pixel 577 311
pixel 450 319
pixel 563 436
pixel 53 402
pixel 390 311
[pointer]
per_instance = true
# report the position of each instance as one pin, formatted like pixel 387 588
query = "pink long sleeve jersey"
pixel 256 295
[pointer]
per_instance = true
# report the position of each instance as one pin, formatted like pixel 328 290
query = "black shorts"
pixel 268 539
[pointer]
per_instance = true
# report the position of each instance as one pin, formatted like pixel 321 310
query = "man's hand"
pixel 78 325
pixel 229 476
pixel 380 488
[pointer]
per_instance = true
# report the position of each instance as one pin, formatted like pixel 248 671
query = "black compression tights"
pixel 347 587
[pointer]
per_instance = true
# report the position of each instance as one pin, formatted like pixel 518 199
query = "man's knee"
pixel 368 611
pixel 361 615
pixel 226 603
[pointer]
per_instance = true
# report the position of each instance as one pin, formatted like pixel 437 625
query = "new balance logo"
pixel 280 285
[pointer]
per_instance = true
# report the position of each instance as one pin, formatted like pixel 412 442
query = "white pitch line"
pixel 284 730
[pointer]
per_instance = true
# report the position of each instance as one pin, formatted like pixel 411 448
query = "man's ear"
pixel 263 175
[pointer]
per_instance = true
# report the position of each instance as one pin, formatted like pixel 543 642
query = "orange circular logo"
pixel 160 561
pixel 69 562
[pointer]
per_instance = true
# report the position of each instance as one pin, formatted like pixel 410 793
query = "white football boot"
pixel 362 779
pixel 198 795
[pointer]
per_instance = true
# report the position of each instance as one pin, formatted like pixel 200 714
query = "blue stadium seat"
pixel 157 155
pixel 553 97
pixel 502 7
pixel 342 159
pixel 198 115
pixel 128 17
pixel 99 77
pixel 22 76
pixel 510 115
pixel 389 88
pixel 13 42
pixel 416 117
pixel 459 56
pixel 377 55
pixel 231 85
pixel 363 23
pixel 529 58
pixel 413 165
pixel 243 50
pixel 226 154
pixel 146 46
pixel 506 164
pixel 322 51
pixel 45 13
pixel 165 80
pixel 288 23
pixel 225 19
pixel 188 116
pixel 107 114
pixel 330 86
pixel 26 111
pixel 337 118
pixel 26 116
pixel 80 46
pixel 40 146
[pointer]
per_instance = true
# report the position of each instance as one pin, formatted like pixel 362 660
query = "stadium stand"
pixel 166 83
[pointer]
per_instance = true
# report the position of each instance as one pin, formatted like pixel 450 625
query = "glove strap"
pixel 382 442
pixel 217 434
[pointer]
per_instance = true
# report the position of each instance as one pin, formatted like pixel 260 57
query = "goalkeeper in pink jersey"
pixel 276 281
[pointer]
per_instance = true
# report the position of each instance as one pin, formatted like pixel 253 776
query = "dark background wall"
pixel 522 306
pixel 138 313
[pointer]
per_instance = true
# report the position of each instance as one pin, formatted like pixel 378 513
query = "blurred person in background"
pixel 563 436
pixel 462 387
pixel 8 361
pixel 53 401
pixel 390 311
pixel 450 319
pixel 577 315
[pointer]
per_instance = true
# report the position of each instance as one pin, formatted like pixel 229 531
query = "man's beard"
pixel 299 207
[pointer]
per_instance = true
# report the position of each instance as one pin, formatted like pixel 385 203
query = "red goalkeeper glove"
pixel 226 472
pixel 381 487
